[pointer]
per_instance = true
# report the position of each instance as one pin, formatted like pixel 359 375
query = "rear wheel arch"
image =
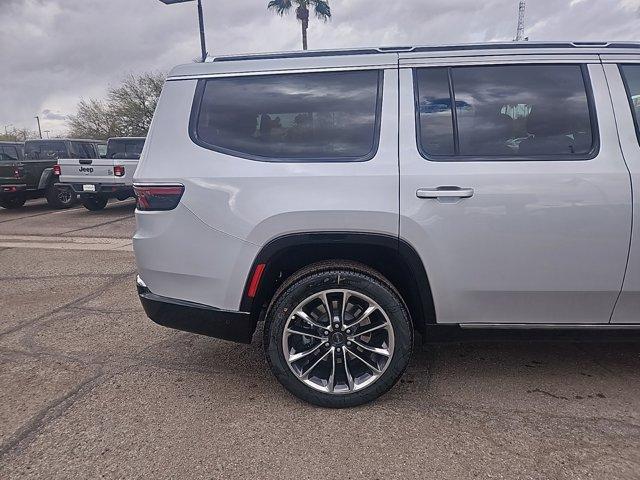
pixel 392 258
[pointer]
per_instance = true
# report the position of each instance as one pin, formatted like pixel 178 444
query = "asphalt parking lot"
pixel 89 388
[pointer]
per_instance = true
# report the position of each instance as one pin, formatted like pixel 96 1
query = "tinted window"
pixel 125 148
pixel 434 107
pixel 83 150
pixel 294 116
pixel 631 75
pixel 512 111
pixel 102 149
pixel 8 152
pixel 44 149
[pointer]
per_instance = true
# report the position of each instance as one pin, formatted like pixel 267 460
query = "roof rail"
pixel 429 48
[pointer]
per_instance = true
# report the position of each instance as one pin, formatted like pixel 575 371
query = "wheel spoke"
pixel 332 378
pixel 327 307
pixel 374 368
pixel 345 299
pixel 305 374
pixel 379 351
pixel 366 314
pixel 304 334
pixel 297 356
pixel 307 318
pixel 350 381
pixel 377 327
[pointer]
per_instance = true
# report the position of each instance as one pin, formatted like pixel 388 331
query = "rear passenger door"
pixel 517 199
pixel 623 75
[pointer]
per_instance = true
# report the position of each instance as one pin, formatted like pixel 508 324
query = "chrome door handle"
pixel 445 192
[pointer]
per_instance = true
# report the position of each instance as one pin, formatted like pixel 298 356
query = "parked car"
pixel 33 175
pixel 98 180
pixel 11 154
pixel 338 196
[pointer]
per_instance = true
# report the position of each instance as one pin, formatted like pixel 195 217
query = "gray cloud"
pixel 54 52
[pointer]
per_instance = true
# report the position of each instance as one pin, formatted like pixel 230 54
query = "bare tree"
pixel 18 135
pixel 94 119
pixel 126 112
pixel 134 102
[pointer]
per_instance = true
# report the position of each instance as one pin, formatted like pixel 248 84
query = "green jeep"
pixel 31 175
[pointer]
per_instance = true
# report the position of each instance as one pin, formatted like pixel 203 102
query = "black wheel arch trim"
pixel 406 252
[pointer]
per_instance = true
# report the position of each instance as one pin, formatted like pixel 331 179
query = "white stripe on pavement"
pixel 66 243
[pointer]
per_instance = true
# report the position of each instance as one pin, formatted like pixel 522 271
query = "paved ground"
pixel 89 388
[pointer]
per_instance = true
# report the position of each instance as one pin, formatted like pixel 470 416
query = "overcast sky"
pixel 55 52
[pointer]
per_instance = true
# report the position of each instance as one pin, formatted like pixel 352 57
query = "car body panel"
pixel 628 306
pixel 254 201
pixel 539 241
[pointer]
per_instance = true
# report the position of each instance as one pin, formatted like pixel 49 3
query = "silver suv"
pixel 352 198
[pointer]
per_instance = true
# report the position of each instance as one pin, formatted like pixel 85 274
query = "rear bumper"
pixel 10 189
pixel 101 188
pixel 196 318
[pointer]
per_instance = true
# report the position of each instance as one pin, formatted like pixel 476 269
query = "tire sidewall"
pixel 11 202
pixel 359 282
pixel 94 202
pixel 54 201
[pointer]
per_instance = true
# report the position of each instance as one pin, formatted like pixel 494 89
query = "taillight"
pixel 56 170
pixel 158 197
pixel 118 170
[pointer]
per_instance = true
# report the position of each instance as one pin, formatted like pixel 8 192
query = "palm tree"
pixel 321 8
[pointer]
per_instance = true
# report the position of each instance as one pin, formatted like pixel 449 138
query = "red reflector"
pixel 118 171
pixel 56 170
pixel 158 197
pixel 255 280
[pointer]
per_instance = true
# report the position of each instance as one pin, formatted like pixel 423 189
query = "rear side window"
pixel 130 148
pixel 8 152
pixel 329 116
pixel 631 76
pixel 508 112
pixel 83 150
pixel 46 149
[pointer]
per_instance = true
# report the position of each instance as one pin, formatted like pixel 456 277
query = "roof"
pixel 388 57
pixel 127 138
pixel 88 140
pixel 604 46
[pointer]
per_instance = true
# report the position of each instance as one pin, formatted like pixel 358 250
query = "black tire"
pixel 60 197
pixel 324 277
pixel 94 202
pixel 13 201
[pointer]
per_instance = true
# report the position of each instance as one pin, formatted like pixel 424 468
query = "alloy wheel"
pixel 338 341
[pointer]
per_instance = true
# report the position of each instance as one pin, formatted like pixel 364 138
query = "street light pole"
pixel 39 129
pixel 203 44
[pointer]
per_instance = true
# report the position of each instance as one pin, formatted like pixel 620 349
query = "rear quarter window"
pixel 328 116
pixel 631 77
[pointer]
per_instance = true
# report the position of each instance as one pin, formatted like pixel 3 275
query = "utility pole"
pixel 203 45
pixel 39 129
pixel 46 132
pixel 521 16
